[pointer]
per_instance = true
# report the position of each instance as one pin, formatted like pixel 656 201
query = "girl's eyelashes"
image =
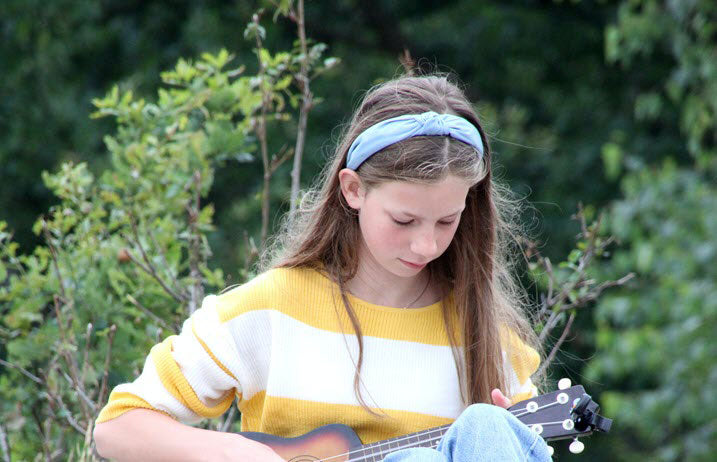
pixel 406 223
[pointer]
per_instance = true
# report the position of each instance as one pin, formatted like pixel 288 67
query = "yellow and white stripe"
pixel 278 343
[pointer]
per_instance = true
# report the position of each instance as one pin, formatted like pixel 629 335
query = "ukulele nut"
pixel 563 398
pixel 531 407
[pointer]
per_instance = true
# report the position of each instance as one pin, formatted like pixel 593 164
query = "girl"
pixel 388 306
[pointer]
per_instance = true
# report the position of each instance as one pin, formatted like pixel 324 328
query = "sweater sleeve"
pixel 189 376
pixel 521 361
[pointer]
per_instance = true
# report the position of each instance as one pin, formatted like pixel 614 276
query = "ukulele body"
pixel 332 441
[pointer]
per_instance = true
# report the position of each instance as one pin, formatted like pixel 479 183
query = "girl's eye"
pixel 446 223
pixel 402 223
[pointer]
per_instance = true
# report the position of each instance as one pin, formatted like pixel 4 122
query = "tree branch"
pixel 196 290
pixel 306 104
pixel 558 344
pixel 4 444
pixel 147 266
pixel 149 313
pixel 105 376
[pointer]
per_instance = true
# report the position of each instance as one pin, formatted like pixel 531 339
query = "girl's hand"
pixel 499 399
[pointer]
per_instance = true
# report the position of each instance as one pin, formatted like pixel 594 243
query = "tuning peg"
pixel 576 447
pixel 564 383
pixel 551 450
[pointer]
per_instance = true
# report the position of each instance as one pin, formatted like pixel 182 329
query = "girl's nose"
pixel 425 244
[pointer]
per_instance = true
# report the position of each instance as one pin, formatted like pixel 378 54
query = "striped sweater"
pixel 277 343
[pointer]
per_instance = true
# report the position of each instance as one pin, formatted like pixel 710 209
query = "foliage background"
pixel 608 103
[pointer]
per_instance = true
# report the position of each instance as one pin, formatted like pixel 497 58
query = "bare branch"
pixel 79 391
pixel 69 358
pixel 407 61
pixel 53 254
pixel 103 387
pixel 4 444
pixel 64 410
pixel 86 358
pixel 228 420
pixel 196 290
pixel 282 156
pixel 149 313
pixel 163 256
pixel 43 434
pixel 303 81
pixel 558 344
pixel 23 371
pixel 147 266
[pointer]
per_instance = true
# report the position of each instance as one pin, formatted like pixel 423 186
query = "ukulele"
pixel 566 413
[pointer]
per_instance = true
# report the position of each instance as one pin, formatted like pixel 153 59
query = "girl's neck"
pixel 373 284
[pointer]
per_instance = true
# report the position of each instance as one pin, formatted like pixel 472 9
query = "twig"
pixel 149 313
pixel 4 444
pixel 57 398
pixel 557 345
pixel 79 391
pixel 105 375
pixel 24 372
pixel 163 256
pixel 53 254
pixel 45 438
pixel 282 156
pixel 69 359
pixel 229 420
pixel 261 134
pixel 147 267
pixel 196 290
pixel 306 104
pixel 407 61
pixel 68 415
pixel 86 358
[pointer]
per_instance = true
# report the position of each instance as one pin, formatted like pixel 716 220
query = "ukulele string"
pixel 389 450
pixel 526 412
pixel 381 453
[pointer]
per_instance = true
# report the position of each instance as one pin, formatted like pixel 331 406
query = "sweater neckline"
pixel 357 302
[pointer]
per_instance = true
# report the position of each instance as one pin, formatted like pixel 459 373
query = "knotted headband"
pixel 390 131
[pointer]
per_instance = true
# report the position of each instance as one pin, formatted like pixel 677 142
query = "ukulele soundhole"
pixel 304 458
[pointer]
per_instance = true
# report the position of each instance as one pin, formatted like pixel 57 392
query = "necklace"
pixel 428 281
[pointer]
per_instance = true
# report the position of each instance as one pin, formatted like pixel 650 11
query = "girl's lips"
pixel 412 265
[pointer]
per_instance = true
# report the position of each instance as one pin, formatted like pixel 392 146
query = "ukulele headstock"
pixel 565 413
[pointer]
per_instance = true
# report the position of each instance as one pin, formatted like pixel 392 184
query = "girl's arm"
pixel 142 434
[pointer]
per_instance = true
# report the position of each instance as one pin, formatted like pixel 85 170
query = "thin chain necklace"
pixel 428 281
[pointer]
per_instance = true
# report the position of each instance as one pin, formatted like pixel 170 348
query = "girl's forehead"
pixel 448 194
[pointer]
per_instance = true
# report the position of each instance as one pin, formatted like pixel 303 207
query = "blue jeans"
pixel 482 433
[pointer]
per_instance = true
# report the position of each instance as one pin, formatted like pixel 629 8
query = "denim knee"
pixel 482 414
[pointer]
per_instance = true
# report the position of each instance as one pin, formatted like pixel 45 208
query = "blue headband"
pixel 390 131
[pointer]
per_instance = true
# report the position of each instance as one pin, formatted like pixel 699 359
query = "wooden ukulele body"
pixel 331 442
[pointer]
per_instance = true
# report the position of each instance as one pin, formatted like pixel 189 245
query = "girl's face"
pixel 406 225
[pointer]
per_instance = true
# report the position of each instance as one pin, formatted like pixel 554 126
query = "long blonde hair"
pixel 476 268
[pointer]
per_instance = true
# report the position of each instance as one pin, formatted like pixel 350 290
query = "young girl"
pixel 388 306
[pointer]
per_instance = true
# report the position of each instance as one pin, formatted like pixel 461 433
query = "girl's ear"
pixel 351 188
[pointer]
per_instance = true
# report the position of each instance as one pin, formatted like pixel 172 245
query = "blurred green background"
pixel 608 103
